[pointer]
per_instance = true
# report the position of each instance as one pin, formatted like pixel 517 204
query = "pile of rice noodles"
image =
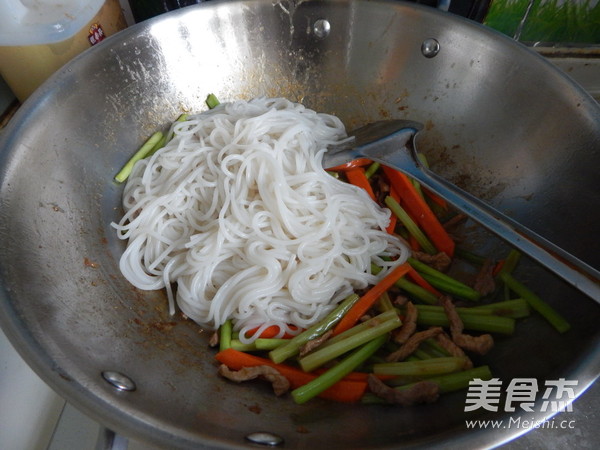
pixel 237 212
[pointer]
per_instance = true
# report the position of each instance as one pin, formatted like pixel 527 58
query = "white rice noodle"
pixel 237 212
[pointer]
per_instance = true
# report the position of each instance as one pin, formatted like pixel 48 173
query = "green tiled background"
pixel 547 21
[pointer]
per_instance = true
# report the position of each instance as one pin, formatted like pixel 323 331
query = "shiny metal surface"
pixel 482 99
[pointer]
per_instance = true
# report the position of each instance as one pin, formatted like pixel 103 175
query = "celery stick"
pixel 451 382
pixel 444 282
pixel 292 346
pixel 516 308
pixel 434 348
pixel 269 343
pixel 140 154
pixel 367 324
pixel 421 353
pixel 473 310
pixel 473 322
pixel 417 291
pixel 455 287
pixel 510 262
pixel 238 345
pixel 431 366
pixel 471 257
pixel 326 353
pixel 212 101
pixel 339 371
pixel 225 331
pixel 411 288
pixel 460 380
pixel 384 303
pixel 374 167
pixel 410 225
pixel 182 118
pixel 544 309
pixel 160 144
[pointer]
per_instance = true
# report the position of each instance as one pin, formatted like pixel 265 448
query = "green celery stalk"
pixel 473 322
pixel 391 314
pixel 536 303
pixel 384 303
pixel 471 257
pixel 410 225
pixel 422 353
pixel 140 154
pixel 238 345
pixel 417 291
pixel 339 371
pixel 269 343
pixel 212 101
pixel 473 310
pixel 182 118
pixel 510 262
pixel 225 332
pixel 411 288
pixel 444 282
pixel 293 345
pixel 516 308
pixel 374 167
pixel 426 367
pixel 328 352
pixel 434 348
pixel 451 382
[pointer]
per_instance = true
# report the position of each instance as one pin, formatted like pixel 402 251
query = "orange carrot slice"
pixel 369 298
pixel 420 211
pixel 357 177
pixel 418 279
pixel 360 162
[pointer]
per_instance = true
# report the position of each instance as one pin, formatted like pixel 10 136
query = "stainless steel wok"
pixel 500 121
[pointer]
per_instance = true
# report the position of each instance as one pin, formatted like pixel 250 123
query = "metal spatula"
pixel 391 142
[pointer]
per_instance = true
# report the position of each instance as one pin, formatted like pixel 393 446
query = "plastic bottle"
pixel 37 37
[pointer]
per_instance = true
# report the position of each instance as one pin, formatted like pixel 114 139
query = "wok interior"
pixel 499 122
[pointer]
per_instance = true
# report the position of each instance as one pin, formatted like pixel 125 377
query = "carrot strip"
pixel 418 279
pixel 360 162
pixel 271 332
pixel 498 267
pixel 414 244
pixel 347 391
pixel 442 203
pixel 369 298
pixel 356 176
pixel 420 211
pixel 393 219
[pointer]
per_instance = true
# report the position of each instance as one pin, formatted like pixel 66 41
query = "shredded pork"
pixel 314 343
pixel 409 324
pixel 214 339
pixel 453 350
pixel 421 392
pixel 280 384
pixel 476 344
pixel 412 344
pixel 484 280
pixel 439 261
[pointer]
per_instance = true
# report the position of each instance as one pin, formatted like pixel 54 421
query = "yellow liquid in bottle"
pixel 25 68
